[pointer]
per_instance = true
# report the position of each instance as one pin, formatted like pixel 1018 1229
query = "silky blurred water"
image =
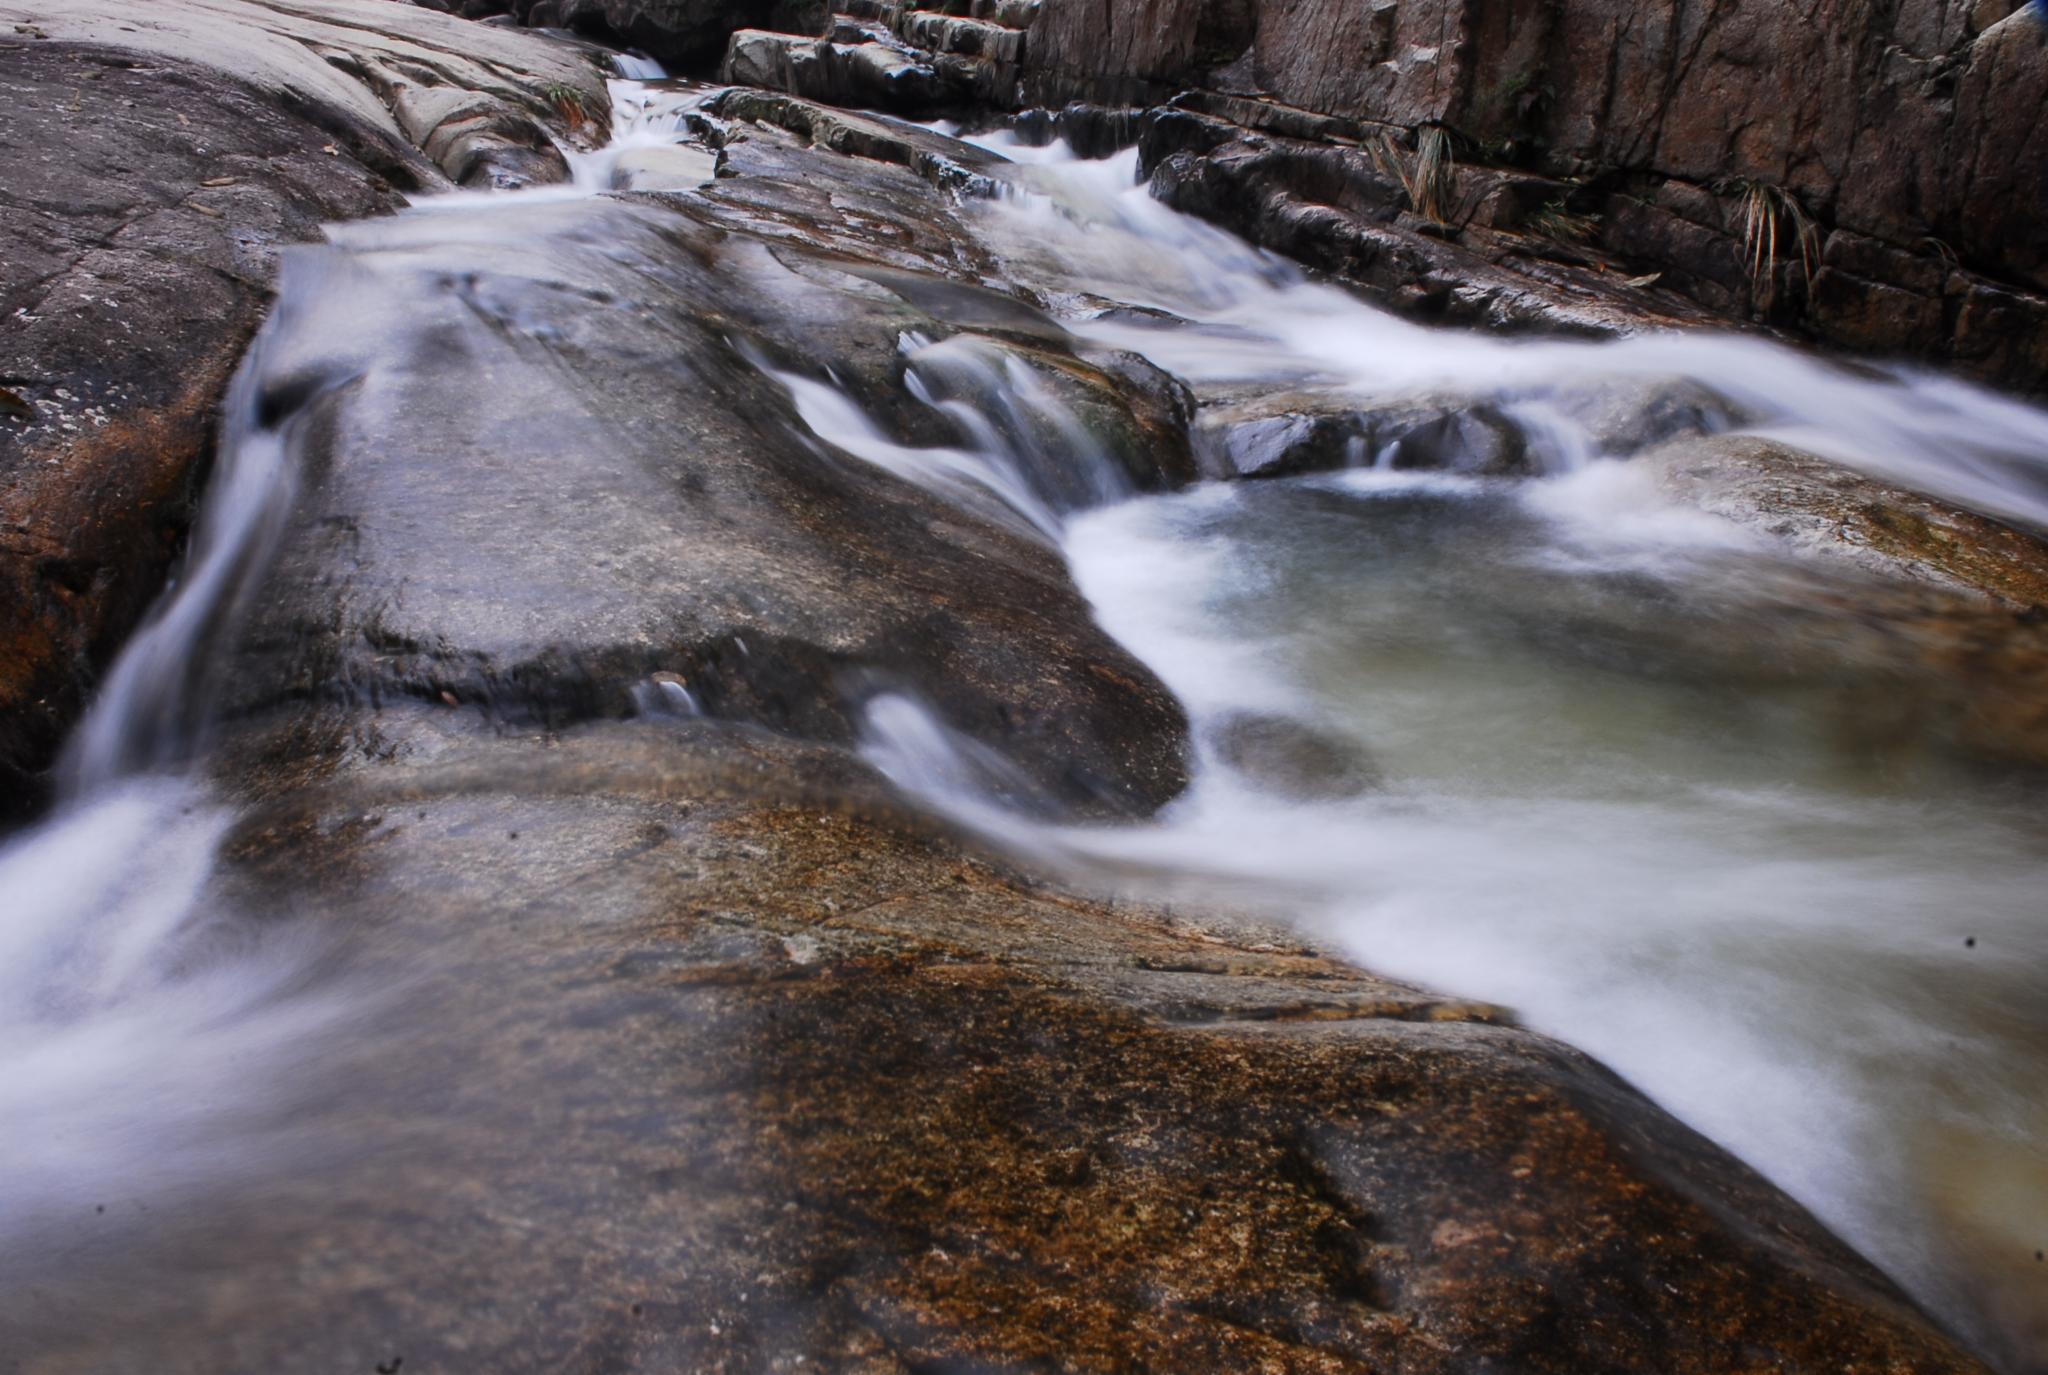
pixel 1640 773
pixel 1643 774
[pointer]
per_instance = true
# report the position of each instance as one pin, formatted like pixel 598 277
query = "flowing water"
pixel 1555 741
pixel 1612 790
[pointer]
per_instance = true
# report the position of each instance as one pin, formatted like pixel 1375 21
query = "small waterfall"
pixel 137 1014
pixel 152 712
pixel 143 1020
pixel 1556 443
pixel 134 1006
pixel 913 748
pixel 638 67
pixel 983 479
pixel 1028 461
pixel 1015 418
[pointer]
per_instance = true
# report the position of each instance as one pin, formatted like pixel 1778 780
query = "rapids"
pixel 1778 910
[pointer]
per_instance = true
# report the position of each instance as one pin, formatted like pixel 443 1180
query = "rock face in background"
pixel 1888 199
pixel 145 191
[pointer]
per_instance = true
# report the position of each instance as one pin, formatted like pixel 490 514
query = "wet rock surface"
pixel 658 504
pixel 1832 511
pixel 1245 431
pixel 1965 597
pixel 682 1048
pixel 1277 435
pixel 151 176
pixel 1280 755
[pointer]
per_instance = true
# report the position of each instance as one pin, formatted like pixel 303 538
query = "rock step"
pixel 928 34
pixel 1289 121
pixel 943 163
pixel 1008 14
pixel 875 72
pixel 941 33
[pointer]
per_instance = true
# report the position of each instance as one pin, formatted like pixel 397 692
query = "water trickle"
pixel 1025 461
pixel 638 67
pixel 145 1020
pixel 153 710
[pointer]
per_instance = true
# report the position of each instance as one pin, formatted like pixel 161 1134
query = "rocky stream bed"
pixel 775 737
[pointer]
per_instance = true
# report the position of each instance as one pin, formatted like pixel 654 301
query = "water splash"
pixel 136 1010
pixel 638 67
pixel 985 478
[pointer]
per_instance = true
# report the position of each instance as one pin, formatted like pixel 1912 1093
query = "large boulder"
pixel 541 511
pixel 153 173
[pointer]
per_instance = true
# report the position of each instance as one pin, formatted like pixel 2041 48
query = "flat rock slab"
pixel 679 1048
pixel 556 471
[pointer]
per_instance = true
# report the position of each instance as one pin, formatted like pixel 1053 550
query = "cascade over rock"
pixel 153 172
pixel 1892 206
pixel 646 563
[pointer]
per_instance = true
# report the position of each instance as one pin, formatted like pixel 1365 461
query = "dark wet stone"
pixel 1280 434
pixel 1293 759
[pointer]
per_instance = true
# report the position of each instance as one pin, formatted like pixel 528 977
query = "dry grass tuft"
pixel 1557 221
pixel 1766 211
pixel 1428 177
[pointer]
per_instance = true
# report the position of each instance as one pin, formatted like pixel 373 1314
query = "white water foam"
pixel 1091 231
